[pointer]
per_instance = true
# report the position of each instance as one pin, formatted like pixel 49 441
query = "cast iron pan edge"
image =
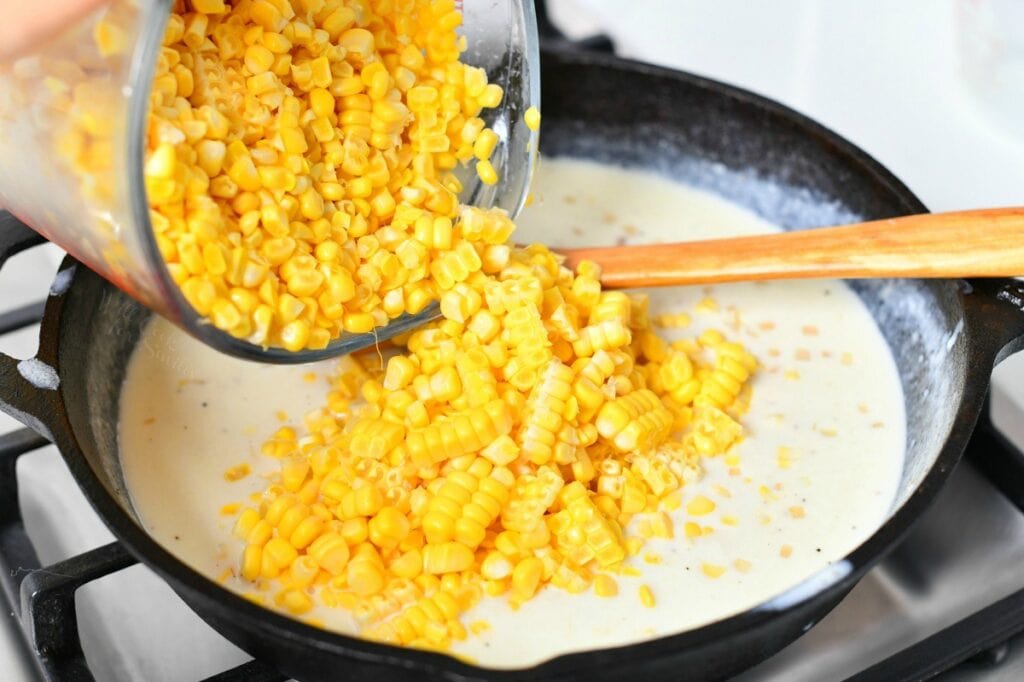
pixel 995 327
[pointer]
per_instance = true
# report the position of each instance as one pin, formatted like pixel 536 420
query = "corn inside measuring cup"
pixel 145 180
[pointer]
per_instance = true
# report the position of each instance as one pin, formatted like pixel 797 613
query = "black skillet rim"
pixel 273 624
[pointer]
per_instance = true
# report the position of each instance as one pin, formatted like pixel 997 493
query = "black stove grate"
pixel 985 634
pixel 43 598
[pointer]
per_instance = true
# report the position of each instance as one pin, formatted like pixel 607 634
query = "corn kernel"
pixel 532 118
pixel 700 506
pixel 485 143
pixel 526 577
pixel 712 570
pixel 605 586
pixel 486 172
pixel 646 596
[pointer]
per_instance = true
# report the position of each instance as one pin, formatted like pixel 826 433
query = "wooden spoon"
pixel 983 243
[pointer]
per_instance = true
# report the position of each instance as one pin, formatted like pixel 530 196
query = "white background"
pixel 884 73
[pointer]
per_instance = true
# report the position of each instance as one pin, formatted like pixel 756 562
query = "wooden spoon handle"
pixel 983 243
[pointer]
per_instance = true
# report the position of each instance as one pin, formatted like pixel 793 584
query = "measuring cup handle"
pixel 28 388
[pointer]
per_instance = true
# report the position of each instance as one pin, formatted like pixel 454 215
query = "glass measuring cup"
pixel 74 119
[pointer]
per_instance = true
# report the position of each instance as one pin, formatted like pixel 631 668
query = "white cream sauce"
pixel 828 391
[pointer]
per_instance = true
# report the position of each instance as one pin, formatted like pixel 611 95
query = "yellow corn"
pixel 646 596
pixel 296 602
pixel 545 413
pixel 712 570
pixel 237 472
pixel 365 578
pixel 605 586
pixel 636 421
pixel 387 127
pixel 526 577
pixel 331 553
pixel 448 557
pixel 485 143
pixel 487 173
pixel 536 435
pixel 388 527
pixel 462 433
pixel 532 118
pixel 700 506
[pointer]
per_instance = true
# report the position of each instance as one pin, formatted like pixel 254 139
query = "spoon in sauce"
pixel 978 243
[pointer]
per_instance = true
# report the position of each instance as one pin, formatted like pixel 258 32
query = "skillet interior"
pixel 740 147
pixel 792 179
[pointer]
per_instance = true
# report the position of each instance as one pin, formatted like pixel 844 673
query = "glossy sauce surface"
pixel 815 475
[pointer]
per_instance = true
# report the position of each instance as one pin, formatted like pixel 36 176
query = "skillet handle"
pixel 995 314
pixel 28 388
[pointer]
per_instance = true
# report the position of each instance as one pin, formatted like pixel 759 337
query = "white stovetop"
pixel 883 73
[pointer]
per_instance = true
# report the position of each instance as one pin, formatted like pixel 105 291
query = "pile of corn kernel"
pixel 300 158
pixel 531 440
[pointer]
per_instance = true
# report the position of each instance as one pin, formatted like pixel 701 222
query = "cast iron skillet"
pixel 945 335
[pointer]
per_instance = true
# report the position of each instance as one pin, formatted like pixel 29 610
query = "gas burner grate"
pixel 43 598
pixel 984 635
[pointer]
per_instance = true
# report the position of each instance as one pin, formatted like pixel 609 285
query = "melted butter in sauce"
pixel 828 393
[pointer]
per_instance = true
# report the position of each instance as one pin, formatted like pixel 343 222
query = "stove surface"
pixel 837 63
pixel 948 567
